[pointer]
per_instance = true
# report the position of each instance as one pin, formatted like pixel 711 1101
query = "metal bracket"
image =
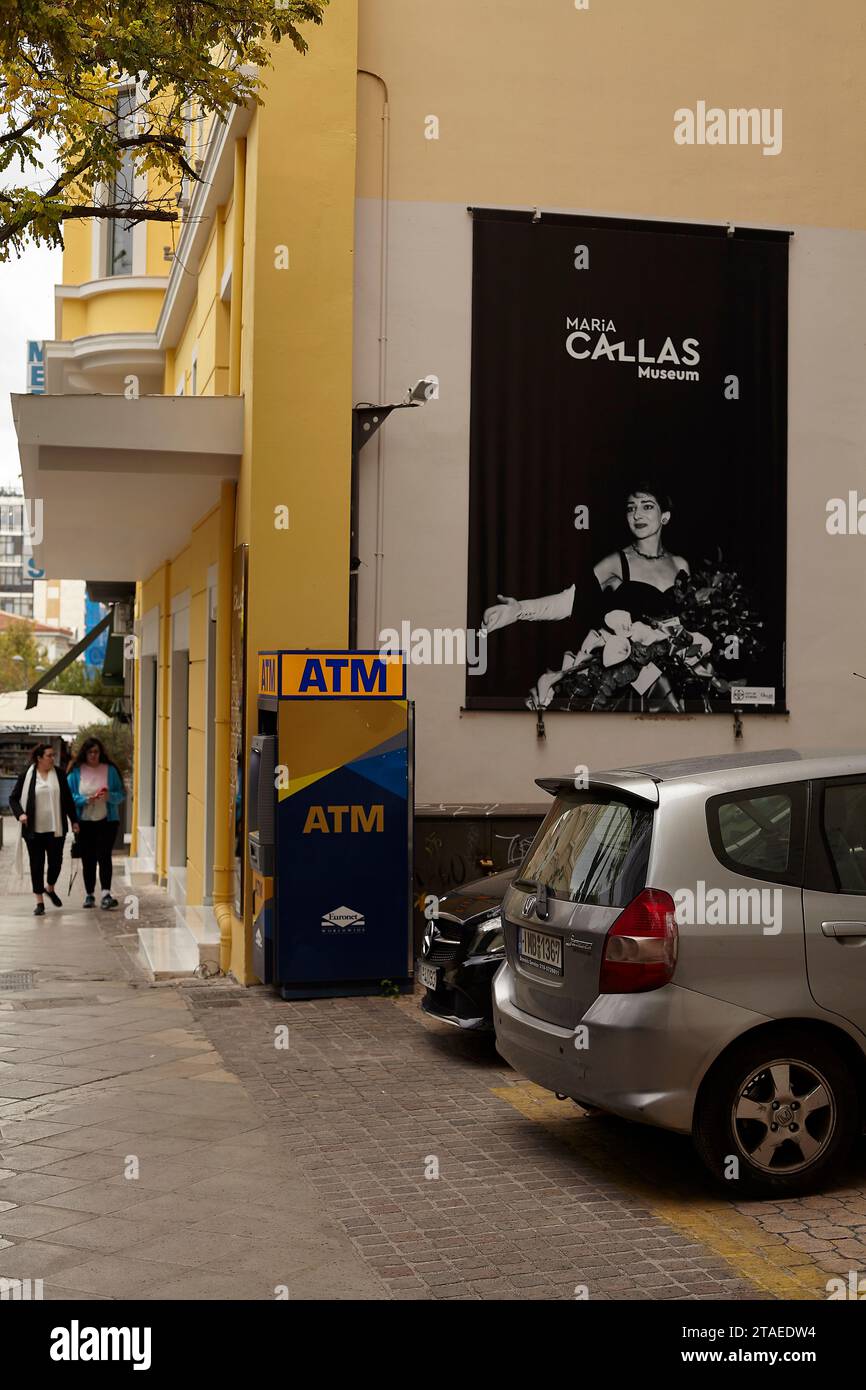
pixel 367 420
pixel 738 723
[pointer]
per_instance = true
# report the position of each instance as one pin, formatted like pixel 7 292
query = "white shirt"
pixel 92 780
pixel 44 813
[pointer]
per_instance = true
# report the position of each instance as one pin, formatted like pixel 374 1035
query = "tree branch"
pixel 139 213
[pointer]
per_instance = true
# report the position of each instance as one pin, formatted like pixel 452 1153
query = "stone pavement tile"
pixel 137 1123
pixel 250 1185
pixel 84 1166
pixel 13 1132
pixel 34 1187
pixel 99 1198
pixel 53 1293
pixel 117 1276
pixel 285 1257
pixel 36 1259
pixel 32 1221
pixel 264 1223
pixel 84 1139
pixel 33 1156
pixel 176 1207
pixel 109 1233
pixel 195 1285
pixel 26 1090
pixel 196 1247
pixel 157 1146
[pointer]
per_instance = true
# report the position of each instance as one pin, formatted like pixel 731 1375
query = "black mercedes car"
pixel 462 950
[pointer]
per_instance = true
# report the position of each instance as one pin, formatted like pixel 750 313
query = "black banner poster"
pixel 627 517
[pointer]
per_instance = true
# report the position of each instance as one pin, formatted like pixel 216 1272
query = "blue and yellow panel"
pixel 332 675
pixel 343 835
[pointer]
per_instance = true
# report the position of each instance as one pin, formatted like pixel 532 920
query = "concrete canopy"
pixel 122 482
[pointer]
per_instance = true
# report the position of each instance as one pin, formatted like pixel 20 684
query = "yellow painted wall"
pixel 207 326
pixel 188 570
pixel 76 251
pixel 112 311
pixel 552 106
pixel 298 327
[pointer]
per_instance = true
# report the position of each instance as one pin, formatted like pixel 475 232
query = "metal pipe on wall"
pixel 384 261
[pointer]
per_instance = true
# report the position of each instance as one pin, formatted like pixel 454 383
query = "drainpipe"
pixel 384 265
pixel 236 312
pixel 223 858
pixel 164 793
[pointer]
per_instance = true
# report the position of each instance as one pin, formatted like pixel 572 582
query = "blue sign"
pixel 94 655
pixel 35 368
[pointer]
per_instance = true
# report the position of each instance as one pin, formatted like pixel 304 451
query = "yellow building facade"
pixel 198 412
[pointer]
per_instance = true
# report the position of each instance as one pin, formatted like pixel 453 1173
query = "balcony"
pixel 123 482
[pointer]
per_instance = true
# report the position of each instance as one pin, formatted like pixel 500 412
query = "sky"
pixel 26 311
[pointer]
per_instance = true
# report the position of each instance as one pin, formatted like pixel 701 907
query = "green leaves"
pixel 62 64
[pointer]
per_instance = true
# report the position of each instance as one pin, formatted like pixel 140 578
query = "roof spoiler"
pixel 632 786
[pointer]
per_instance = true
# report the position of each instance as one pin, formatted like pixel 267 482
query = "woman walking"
pixel 97 790
pixel 42 803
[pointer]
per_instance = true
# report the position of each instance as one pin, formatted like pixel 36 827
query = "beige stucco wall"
pixel 544 104
pixel 573 111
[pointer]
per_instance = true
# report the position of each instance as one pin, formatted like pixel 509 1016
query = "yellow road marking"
pixel 756 1255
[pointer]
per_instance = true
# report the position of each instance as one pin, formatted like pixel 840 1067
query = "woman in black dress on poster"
pixel 637 580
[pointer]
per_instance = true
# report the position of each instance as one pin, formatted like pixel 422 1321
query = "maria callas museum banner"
pixel 628 465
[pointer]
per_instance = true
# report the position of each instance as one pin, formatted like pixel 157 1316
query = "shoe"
pixel 89 901
pixel 108 901
pixel 39 910
pixel 49 893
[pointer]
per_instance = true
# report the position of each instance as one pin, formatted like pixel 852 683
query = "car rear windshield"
pixel 591 849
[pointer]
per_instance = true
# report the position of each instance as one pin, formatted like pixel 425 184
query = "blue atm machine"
pixel 331 808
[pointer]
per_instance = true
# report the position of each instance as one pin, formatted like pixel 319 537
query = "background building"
pixel 61 601
pixel 16 555
pixel 326 260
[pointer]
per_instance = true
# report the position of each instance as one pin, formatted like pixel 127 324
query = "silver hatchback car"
pixel 686 946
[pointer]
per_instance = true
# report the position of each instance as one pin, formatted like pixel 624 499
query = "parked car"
pixel 462 950
pixel 685 945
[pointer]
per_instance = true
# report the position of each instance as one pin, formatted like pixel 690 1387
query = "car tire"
pixel 747 1088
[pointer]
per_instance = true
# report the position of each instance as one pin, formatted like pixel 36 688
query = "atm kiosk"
pixel 330 817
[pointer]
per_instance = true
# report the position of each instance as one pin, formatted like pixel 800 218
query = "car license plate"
pixel 427 974
pixel 538 949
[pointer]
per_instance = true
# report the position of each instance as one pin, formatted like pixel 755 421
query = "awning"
pixel 55 714
pixel 122 482
pixel 112 665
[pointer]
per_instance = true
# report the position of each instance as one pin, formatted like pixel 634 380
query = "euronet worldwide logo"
pixel 343 921
pixel 712 125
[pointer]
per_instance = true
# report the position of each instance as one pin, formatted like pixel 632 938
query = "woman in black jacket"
pixel 42 802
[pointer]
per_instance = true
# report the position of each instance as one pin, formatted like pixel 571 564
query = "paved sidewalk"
pixel 132 1163
pixel 157 1142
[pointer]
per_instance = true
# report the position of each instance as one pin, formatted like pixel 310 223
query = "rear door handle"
pixel 843 928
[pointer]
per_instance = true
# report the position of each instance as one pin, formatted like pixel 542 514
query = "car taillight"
pixel 640 951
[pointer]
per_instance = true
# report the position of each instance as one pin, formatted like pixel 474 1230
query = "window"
pixel 591 849
pixel 760 832
pixel 843 823
pixel 122 191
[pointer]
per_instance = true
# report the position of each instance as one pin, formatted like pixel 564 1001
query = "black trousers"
pixel 96 838
pixel 38 847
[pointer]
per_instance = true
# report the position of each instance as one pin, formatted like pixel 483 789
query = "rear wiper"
pixel 540 891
